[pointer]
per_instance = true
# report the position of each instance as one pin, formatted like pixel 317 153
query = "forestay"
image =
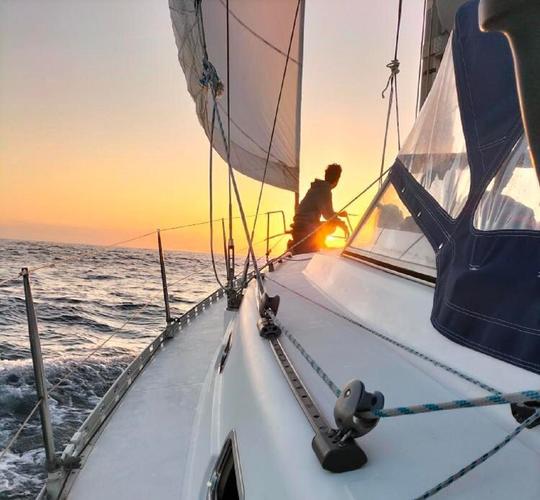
pixel 259 37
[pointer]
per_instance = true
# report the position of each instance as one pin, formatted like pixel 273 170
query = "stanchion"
pixel 164 279
pixel 41 388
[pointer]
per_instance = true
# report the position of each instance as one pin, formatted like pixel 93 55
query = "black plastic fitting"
pixel 354 400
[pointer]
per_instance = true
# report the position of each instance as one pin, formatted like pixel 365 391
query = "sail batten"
pixel 260 35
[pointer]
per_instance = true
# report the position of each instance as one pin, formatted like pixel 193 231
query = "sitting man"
pixel 308 231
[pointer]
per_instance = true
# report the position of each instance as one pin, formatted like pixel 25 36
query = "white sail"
pixel 259 38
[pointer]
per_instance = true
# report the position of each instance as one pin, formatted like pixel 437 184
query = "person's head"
pixel 332 174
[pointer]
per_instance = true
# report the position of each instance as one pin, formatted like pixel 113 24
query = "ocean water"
pixel 83 299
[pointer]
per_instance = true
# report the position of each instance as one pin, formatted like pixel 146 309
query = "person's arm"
pixel 328 213
pixel 327 209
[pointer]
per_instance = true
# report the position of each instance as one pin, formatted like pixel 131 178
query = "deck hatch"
pixel 225 482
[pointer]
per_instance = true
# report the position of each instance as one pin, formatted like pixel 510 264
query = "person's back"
pixel 307 231
pixel 316 202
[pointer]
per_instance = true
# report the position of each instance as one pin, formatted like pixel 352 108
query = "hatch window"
pixel 389 234
pixel 435 152
pixel 512 198
pixel 226 481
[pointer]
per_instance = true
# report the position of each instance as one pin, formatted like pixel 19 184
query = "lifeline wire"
pixel 118 330
pixel 8 280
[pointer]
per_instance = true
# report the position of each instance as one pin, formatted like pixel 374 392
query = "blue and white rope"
pixel 475 463
pixel 324 376
pixel 498 399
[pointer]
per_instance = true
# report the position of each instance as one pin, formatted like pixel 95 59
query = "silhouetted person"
pixel 307 220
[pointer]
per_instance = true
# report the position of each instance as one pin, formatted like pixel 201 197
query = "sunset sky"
pixel 98 135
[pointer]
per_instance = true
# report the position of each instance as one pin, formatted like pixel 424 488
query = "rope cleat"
pixel 336 449
pixel 268 307
pixel 354 400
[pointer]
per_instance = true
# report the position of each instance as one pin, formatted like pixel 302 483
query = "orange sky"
pixel 98 135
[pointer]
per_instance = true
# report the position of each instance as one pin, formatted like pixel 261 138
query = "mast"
pixel 299 97
pixel 439 21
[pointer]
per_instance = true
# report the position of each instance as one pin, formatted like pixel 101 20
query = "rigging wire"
pixel 416 108
pixel 393 66
pixel 276 113
pixel 230 247
pixel 232 178
pixel 241 209
pixel 211 196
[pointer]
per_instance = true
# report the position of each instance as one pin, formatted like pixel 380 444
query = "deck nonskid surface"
pixel 143 449
pixel 408 454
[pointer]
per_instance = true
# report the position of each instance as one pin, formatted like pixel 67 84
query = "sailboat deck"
pixel 162 440
pixel 141 452
pixel 409 454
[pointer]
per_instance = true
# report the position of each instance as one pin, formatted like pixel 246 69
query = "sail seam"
pixel 256 35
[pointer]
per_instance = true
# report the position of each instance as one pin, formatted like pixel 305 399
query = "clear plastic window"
pixel 390 232
pixel 435 152
pixel 512 199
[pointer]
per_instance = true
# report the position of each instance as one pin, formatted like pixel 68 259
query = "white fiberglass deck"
pixel 163 438
pixel 409 454
pixel 142 452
